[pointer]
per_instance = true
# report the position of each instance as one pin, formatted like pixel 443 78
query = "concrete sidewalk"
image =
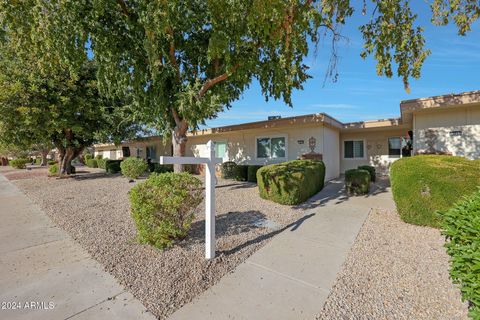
pixel 45 275
pixel 291 277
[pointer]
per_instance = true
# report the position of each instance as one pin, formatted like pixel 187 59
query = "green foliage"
pixel 38 161
pixel 101 163
pixel 228 170
pixel 159 168
pixel 87 156
pixel 241 172
pixel 461 226
pixel 252 173
pixel 51 162
pixel 182 62
pixel 371 170
pixel 291 182
pixel 53 170
pixel 421 185
pixel 99 156
pixel 133 167
pixel 357 181
pixel 92 163
pixel 19 163
pixel 163 207
pixel 112 166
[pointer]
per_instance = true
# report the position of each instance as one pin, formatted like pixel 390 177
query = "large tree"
pixel 184 61
pixel 62 109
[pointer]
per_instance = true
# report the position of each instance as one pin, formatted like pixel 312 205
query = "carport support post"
pixel 209 163
pixel 210 202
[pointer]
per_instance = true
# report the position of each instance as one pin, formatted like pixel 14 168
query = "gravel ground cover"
pixel 395 271
pixel 95 211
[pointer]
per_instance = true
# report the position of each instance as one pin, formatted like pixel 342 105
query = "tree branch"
pixel 124 8
pixel 211 82
pixel 173 59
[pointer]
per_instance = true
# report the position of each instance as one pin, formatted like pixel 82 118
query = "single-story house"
pixel 441 124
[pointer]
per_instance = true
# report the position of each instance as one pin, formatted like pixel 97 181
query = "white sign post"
pixel 210 161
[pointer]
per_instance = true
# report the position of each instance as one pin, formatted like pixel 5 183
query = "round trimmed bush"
pixel 19 163
pixel 163 207
pixel 87 157
pixel 357 181
pixel 101 163
pixel 228 170
pixel 92 163
pixel 53 170
pixel 371 170
pixel 113 166
pixel 133 167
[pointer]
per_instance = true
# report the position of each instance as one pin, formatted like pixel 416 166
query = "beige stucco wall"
pixel 241 145
pixel 375 148
pixel 331 152
pixel 441 124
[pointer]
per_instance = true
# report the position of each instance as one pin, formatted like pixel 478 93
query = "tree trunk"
pixel 179 142
pixel 66 161
pixel 44 158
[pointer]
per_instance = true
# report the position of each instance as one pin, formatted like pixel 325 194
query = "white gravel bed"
pixel 95 211
pixel 395 271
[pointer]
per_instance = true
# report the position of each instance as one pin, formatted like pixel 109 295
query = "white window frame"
pixel 270 137
pixel 388 147
pixel 225 156
pixel 364 149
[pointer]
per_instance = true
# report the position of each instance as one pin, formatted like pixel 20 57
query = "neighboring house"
pixel 441 124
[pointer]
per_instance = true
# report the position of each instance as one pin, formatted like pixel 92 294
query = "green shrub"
pixel 53 170
pixel 51 162
pixel 291 182
pixel 357 181
pixel 252 173
pixel 133 167
pixel 38 161
pixel 101 163
pixel 112 166
pixel 163 207
pixel 461 226
pixel 228 170
pixel 241 172
pixel 160 168
pixel 92 163
pixel 371 170
pixel 19 163
pixel 87 157
pixel 99 156
pixel 422 185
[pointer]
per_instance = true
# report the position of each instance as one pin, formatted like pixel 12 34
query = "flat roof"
pixel 452 99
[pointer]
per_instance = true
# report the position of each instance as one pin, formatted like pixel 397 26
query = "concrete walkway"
pixel 45 275
pixel 291 277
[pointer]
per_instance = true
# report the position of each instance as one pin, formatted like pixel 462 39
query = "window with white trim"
pixel 271 147
pixel 220 149
pixel 394 147
pixel 353 149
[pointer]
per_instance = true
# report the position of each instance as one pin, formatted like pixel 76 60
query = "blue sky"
pixel 359 94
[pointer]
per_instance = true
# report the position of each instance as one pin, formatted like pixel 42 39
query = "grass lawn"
pixel 422 185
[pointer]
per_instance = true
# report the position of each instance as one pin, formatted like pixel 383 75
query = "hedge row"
pixel 461 226
pixel 19 163
pixel 291 182
pixel 357 182
pixel 231 170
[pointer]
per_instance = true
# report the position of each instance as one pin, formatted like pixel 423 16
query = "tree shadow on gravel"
pixel 227 224
pixel 292 226
pixel 236 223
pixel 95 175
